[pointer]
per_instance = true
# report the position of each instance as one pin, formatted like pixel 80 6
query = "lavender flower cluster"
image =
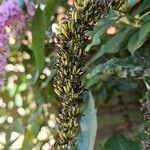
pixel 12 16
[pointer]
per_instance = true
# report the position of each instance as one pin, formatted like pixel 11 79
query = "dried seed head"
pixel 71 41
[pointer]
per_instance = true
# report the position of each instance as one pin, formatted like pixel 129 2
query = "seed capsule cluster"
pixel 71 41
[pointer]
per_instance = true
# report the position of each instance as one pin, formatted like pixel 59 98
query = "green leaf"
pixel 145 5
pixel 116 43
pixel 119 142
pixel 133 66
pixel 107 21
pixel 35 121
pixel 93 81
pixel 138 39
pixel 146 16
pixel 103 93
pixel 36 126
pixel 88 126
pixel 96 41
pixel 125 84
pixel 144 32
pixel 38 47
pixel 147 95
pixel 96 38
pixel 115 66
pixel 51 77
pixel 98 31
pixel 49 10
pixel 26 144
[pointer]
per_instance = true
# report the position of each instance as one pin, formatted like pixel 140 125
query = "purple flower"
pixel 3 64
pixel 3 19
pixel 30 7
pixel 12 16
pixel 4 39
pixel 3 56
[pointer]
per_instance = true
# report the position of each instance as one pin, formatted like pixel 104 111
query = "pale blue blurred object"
pixel 88 125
